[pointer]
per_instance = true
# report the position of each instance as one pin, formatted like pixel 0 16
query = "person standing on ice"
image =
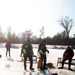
pixel 8 46
pixel 42 50
pixel 28 52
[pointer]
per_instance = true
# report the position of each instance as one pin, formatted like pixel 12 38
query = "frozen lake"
pixel 10 66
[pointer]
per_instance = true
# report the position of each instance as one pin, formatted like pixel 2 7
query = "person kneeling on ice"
pixel 42 51
pixel 28 52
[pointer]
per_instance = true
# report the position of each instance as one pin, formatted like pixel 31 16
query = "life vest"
pixel 24 50
pixel 41 52
pixel 42 49
pixel 27 49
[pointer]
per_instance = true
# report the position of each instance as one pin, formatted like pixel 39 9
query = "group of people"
pixel 27 51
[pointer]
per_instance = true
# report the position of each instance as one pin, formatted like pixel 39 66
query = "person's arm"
pixel 31 49
pixel 64 54
pixel 46 49
pixel 5 45
pixel 39 47
pixel 72 53
pixel 21 50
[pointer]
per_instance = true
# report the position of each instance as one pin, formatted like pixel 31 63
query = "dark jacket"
pixel 8 45
pixel 68 53
pixel 28 48
pixel 43 48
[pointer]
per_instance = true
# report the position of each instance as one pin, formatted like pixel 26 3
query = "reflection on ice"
pixel 10 59
pixel 10 72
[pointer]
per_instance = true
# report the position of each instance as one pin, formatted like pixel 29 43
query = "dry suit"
pixel 28 53
pixel 42 50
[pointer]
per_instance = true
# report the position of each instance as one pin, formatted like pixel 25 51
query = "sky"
pixel 33 14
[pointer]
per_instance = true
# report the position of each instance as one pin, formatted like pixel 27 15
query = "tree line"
pixel 61 38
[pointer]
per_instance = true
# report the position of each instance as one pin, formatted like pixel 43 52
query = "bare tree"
pixel 27 34
pixel 42 31
pixel 67 24
pixel 1 35
pixel 9 33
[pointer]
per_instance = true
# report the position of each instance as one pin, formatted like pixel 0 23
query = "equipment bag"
pixel 39 63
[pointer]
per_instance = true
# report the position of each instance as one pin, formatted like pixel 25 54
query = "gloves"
pixel 47 51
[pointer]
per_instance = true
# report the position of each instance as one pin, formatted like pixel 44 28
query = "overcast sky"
pixel 33 14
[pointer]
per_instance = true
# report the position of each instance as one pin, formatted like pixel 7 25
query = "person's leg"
pixel 25 58
pixel 69 64
pixel 9 53
pixel 41 62
pixel 31 61
pixel 44 64
pixel 6 52
pixel 21 52
pixel 63 62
